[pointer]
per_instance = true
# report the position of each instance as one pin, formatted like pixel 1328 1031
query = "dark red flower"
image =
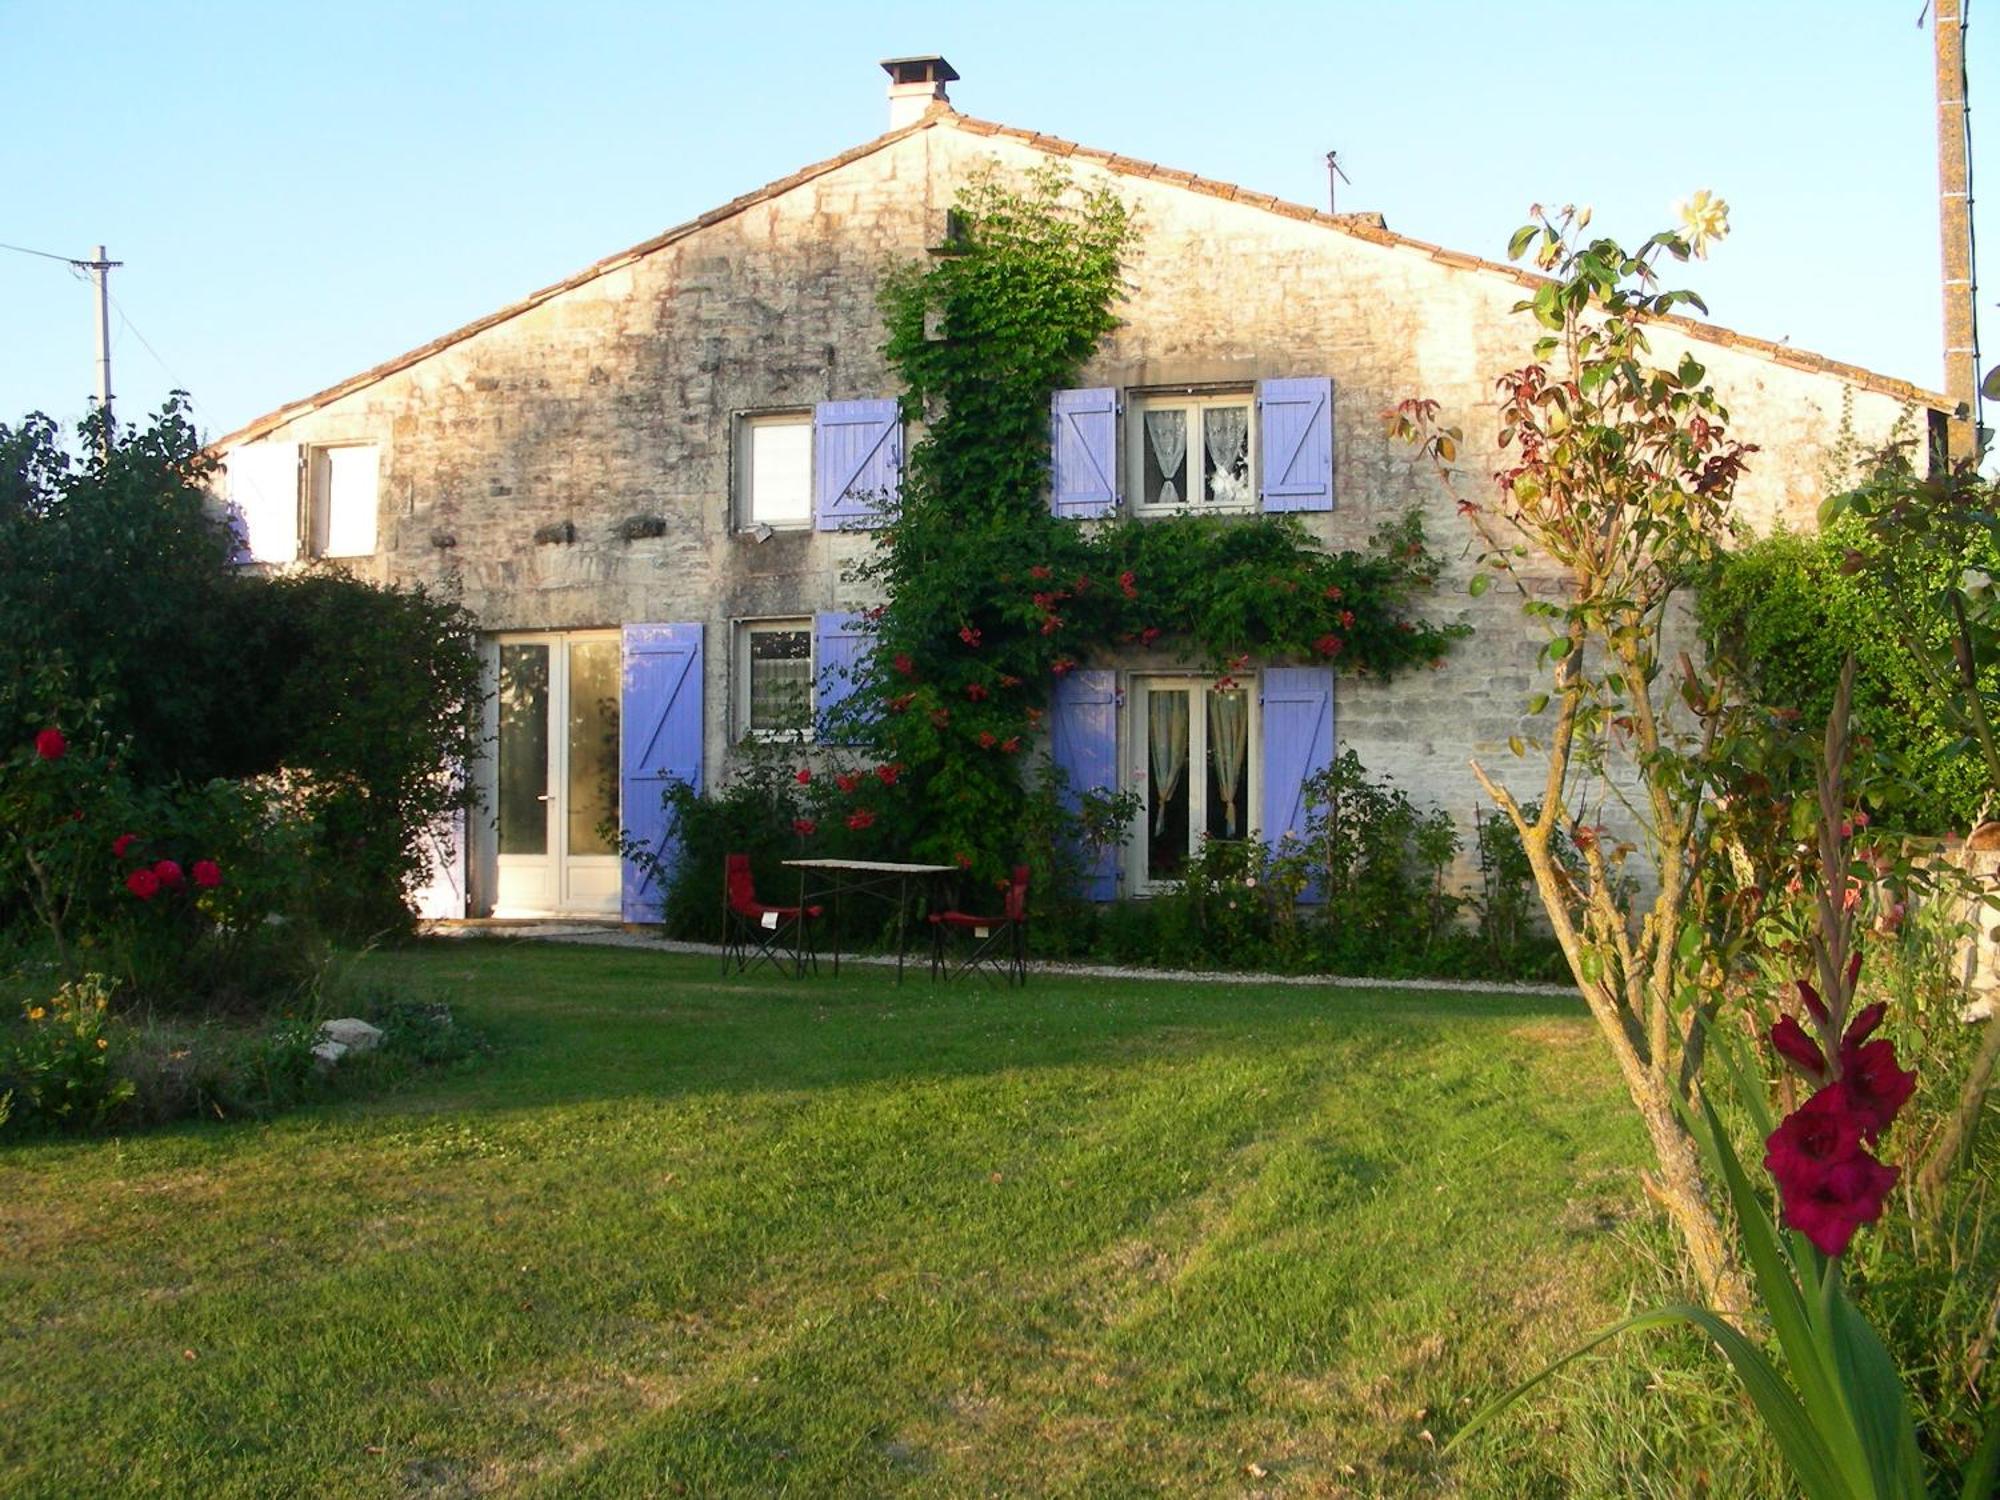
pixel 847 781
pixel 902 663
pixel 123 842
pixel 1128 583
pixel 900 702
pixel 805 828
pixel 1876 1088
pixel 1809 998
pixel 207 874
pixel 1149 635
pixel 1009 680
pixel 1012 744
pixel 1051 624
pixel 1347 619
pixel 169 875
pixel 1034 717
pixel 1333 591
pixel 964 860
pixel 1790 1041
pixel 1062 666
pixel 1039 570
pixel 970 635
pixel 143 883
pixel 803 776
pixel 1082 584
pixel 887 774
pixel 1828 1183
pixel 1326 645
pixel 860 818
pixel 1043 602
pixel 987 739
pixel 976 691
pixel 940 717
pixel 50 744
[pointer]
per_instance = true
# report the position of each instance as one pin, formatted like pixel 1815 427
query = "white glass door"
pixel 1195 752
pixel 556 773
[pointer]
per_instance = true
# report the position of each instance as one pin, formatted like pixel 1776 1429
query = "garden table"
pixel 886 880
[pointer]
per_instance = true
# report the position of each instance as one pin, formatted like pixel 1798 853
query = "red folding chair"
pixel 998 944
pixel 754 933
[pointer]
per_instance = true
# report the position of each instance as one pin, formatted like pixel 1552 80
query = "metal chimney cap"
pixel 929 69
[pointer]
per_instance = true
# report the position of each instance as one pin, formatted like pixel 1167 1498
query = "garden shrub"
pixel 59 1071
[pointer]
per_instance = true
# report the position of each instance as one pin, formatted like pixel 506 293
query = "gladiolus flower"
pixel 123 842
pixel 1827 1181
pixel 803 776
pixel 847 781
pixel 169 875
pixel 207 874
pixel 860 818
pixel 143 883
pixel 805 828
pixel 1790 1041
pixel 1876 1088
pixel 50 744
pixel 1809 998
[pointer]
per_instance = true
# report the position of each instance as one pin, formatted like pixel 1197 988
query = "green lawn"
pixel 682 1235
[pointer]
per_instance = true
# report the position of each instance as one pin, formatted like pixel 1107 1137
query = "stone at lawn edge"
pixel 352 1034
pixel 326 1054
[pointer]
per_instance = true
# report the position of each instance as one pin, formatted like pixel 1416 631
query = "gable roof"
pixel 1363 226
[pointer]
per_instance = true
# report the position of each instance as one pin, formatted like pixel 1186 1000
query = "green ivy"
pixel 992 597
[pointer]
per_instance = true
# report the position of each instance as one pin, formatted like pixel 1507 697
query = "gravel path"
pixel 609 935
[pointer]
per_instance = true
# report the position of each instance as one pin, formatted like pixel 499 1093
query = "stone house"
pixel 645 481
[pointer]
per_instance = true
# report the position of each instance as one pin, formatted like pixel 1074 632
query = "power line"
pixel 72 261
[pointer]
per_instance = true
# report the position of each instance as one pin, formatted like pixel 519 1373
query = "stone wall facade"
pixel 615 396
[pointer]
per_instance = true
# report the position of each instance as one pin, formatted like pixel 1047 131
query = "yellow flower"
pixel 102 1044
pixel 35 1013
pixel 1704 220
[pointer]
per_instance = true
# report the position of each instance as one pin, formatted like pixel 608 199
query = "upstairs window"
pixel 344 500
pixel 1191 452
pixel 774 470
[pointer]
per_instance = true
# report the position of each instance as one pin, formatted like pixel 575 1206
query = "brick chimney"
pixel 916 87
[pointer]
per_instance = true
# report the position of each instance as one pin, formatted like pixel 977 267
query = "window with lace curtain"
pixel 1197 746
pixel 1191 452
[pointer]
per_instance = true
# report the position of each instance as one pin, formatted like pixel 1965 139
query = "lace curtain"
pixel 1167 726
pixel 1228 739
pixel 1167 432
pixel 1226 431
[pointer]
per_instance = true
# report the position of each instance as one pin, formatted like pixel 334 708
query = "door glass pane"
pixel 1228 763
pixel 1166 783
pixel 593 746
pixel 524 749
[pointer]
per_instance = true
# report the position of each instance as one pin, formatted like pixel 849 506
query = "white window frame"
pixel 1139 768
pixel 319 498
pixel 1193 403
pixel 744 478
pixel 744 631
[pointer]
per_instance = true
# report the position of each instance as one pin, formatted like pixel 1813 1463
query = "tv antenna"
pixel 1333 172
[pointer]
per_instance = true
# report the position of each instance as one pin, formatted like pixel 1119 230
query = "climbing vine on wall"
pixel 992 597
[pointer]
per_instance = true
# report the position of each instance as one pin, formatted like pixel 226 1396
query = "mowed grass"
pixel 685 1235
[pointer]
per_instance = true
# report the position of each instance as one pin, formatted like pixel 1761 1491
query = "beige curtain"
pixel 1228 739
pixel 1167 735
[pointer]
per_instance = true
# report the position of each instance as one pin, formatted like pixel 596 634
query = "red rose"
pixel 803 776
pixel 1039 570
pixel 860 818
pixel 50 744
pixel 169 875
pixel 887 774
pixel 143 883
pixel 207 874
pixel 1347 619
pixel 1012 744
pixel 1129 583
pixel 805 828
pixel 1327 645
pixel 120 844
pixel 1333 591
pixel 1043 602
pixel 976 692
pixel 847 781
pixel 1149 635
pixel 970 635
pixel 903 664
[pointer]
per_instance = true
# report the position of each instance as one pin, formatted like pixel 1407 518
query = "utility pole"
pixel 1333 172
pixel 100 275
pixel 1961 343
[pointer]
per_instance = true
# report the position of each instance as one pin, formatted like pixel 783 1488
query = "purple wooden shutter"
pixel 857 464
pixel 1298 741
pixel 660 733
pixel 840 648
pixel 1295 439
pixel 1083 742
pixel 1083 453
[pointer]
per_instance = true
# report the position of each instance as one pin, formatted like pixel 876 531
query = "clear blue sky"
pixel 298 192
